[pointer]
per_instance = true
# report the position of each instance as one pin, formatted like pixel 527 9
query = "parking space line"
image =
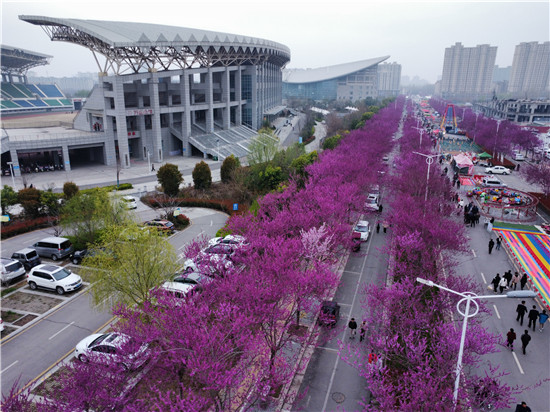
pixel 496 311
pixel 353 273
pixel 474 253
pixel 517 363
pixel 483 277
pixel 7 367
pixel 328 349
pixel 57 333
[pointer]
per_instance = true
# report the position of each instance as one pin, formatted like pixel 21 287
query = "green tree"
pixel 263 147
pixel 127 264
pixel 299 164
pixel 270 177
pixel 170 179
pixel 202 177
pixel 331 142
pixel 30 201
pixel 70 189
pixel 50 203
pixel 229 165
pixel 8 198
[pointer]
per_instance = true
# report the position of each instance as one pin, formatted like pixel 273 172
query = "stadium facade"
pixel 347 82
pixel 169 90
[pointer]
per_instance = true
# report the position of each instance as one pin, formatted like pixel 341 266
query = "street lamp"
pixel 421 129
pixel 218 150
pixel 429 161
pixel 496 135
pixel 12 177
pixel 469 298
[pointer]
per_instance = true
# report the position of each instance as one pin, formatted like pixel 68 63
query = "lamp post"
pixel 218 150
pixel 429 161
pixel 421 130
pixel 496 135
pixel 12 175
pixel 470 298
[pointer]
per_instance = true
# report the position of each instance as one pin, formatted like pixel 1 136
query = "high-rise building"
pixel 389 79
pixel 530 70
pixel 467 71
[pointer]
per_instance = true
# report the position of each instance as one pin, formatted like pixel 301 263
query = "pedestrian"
pixel 152 167
pixel 517 167
pixel 499 242
pixel 521 311
pixel 491 245
pixel 496 282
pixel 525 339
pixel 503 284
pixel 523 280
pixel 385 226
pixel 522 407
pixel 458 184
pixel 515 280
pixel 543 317
pixel 510 338
pixel 363 331
pixel 377 227
pixel 508 276
pixel 380 208
pixel 533 316
pixel 352 325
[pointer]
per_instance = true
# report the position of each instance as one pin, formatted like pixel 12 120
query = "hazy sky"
pixel 318 32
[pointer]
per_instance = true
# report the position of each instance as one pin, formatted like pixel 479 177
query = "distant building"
pixel 467 72
pixel 514 110
pixel 530 70
pixel 389 79
pixel 348 82
pixel 501 74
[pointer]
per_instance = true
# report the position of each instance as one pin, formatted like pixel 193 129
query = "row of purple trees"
pixel 231 345
pixel 414 329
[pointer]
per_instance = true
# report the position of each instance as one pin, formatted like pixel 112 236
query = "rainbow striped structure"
pixel 531 251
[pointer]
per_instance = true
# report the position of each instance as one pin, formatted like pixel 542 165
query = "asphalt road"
pixel 36 349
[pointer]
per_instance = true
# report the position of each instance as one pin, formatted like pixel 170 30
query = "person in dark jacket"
pixel 491 245
pixel 495 282
pixel 525 339
pixel 522 407
pixel 352 325
pixel 533 316
pixel 523 281
pixel 521 311
pixel 510 338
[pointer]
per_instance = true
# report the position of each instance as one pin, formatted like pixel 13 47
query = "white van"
pixel 491 181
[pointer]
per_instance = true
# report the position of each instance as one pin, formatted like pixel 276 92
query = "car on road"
pixel 130 202
pixel 518 156
pixel 53 277
pixel 497 170
pixel 362 230
pixel 28 257
pixel 490 181
pixel 54 248
pixel 372 202
pixel 10 269
pixel 162 225
pixel 112 349
pixel 330 313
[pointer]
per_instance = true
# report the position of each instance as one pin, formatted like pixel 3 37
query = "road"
pixel 39 347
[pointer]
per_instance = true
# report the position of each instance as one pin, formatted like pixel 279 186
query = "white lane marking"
pixel 474 253
pixel 517 362
pixel 353 273
pixel 496 311
pixel 211 223
pixel 542 217
pixel 483 277
pixel 7 367
pixel 58 332
pixel 329 349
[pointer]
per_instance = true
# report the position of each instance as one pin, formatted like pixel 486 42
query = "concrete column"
pixel 186 115
pixel 121 129
pixel 156 154
pixel 209 100
pixel 226 98
pixel 66 159
pixel 238 97
pixel 254 100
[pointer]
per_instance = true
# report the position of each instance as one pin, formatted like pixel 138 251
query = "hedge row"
pixel 23 226
pixel 222 205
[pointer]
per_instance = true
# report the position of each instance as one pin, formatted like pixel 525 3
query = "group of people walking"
pixel 507 281
pixel 492 243
pixel 534 315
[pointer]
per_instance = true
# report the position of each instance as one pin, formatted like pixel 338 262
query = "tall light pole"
pixel 218 149
pixel 469 298
pixel 421 130
pixel 429 161
pixel 496 135
pixel 12 175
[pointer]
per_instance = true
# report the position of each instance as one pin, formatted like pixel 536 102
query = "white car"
pixel 112 349
pixel 210 258
pixel 363 230
pixel 53 277
pixel 130 202
pixel 497 170
pixel 518 156
pixel 177 289
pixel 372 202
pixel 10 269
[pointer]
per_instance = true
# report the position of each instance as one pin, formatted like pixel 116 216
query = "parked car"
pixel 498 170
pixel 130 202
pixel 372 202
pixel 518 156
pixel 330 313
pixel 210 257
pixel 362 230
pixel 54 248
pixel 236 240
pixel 177 289
pixel 162 225
pixel 28 257
pixel 1 325
pixel 78 256
pixel 10 269
pixel 192 278
pixel 53 277
pixel 489 181
pixel 112 349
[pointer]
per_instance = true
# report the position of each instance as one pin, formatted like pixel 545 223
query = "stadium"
pixel 162 90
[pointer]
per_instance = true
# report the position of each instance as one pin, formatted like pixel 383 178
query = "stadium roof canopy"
pixel 17 60
pixel 137 47
pixel 329 72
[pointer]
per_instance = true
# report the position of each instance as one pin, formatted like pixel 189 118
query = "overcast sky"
pixel 318 32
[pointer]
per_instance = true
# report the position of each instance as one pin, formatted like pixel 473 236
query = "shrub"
pixel 30 201
pixel 202 177
pixel 229 165
pixel 169 178
pixel 70 189
pixel 17 227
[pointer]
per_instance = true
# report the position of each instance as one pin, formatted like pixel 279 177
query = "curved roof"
pixel 16 59
pixel 130 42
pixel 329 72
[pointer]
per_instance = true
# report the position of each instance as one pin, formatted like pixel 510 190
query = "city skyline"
pixel 414 34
